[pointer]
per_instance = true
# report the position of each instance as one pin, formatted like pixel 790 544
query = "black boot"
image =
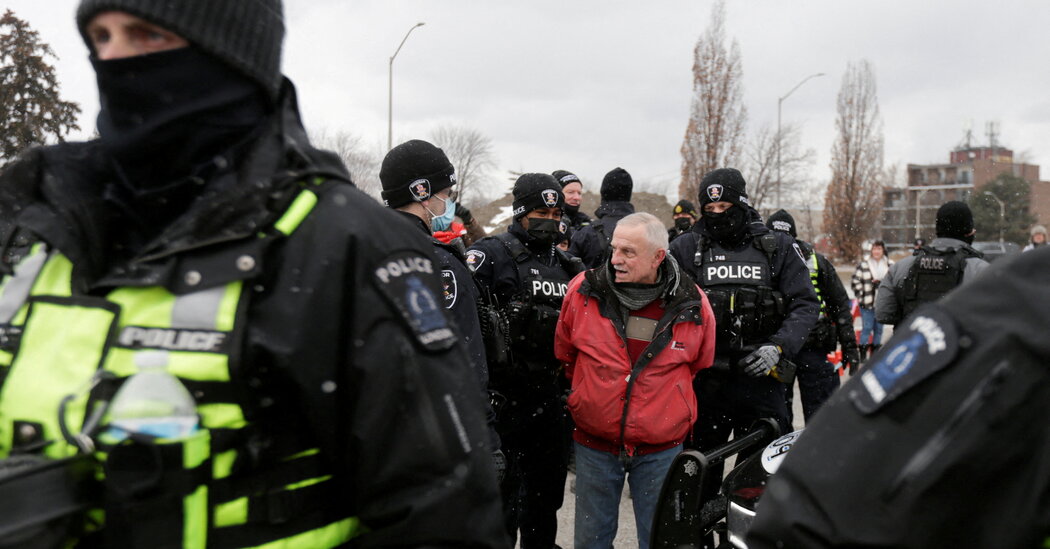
pixel 873 349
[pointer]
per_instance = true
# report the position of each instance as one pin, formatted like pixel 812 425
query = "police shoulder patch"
pixel 408 281
pixel 925 345
pixel 474 259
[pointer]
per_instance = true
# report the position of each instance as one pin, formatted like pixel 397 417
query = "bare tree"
pixel 717 116
pixel 361 161
pixel 30 107
pixel 853 201
pixel 470 151
pixel 759 166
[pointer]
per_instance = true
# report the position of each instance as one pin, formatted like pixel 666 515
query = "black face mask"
pixel 570 209
pixel 163 114
pixel 544 231
pixel 728 226
pixel 683 223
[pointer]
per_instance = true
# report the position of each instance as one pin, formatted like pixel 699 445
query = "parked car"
pixel 994 249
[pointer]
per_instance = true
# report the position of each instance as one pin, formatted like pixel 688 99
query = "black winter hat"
pixel 245 34
pixel 564 178
pixel 617 186
pixel 783 222
pixel 533 191
pixel 413 172
pixel 685 207
pixel 723 185
pixel 954 220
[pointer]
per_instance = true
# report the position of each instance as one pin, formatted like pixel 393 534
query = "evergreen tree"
pixel 1015 194
pixel 30 107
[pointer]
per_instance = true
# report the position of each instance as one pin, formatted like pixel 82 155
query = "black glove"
pixel 851 359
pixel 463 213
pixel 499 461
pixel 761 361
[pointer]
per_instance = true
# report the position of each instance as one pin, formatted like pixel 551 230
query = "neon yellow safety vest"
pixel 56 346
pixel 814 270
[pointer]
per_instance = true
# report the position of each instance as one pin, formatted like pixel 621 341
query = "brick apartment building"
pixel 910 212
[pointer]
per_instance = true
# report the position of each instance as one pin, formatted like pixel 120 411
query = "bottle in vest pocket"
pixel 152 402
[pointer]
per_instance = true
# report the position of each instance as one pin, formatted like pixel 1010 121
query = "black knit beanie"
pixel 533 191
pixel 414 171
pixel 783 222
pixel 954 220
pixel 685 207
pixel 565 178
pixel 617 186
pixel 723 185
pixel 245 34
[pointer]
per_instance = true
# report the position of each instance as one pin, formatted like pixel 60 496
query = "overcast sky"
pixel 591 85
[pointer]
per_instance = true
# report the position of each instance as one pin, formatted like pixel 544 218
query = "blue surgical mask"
pixel 444 221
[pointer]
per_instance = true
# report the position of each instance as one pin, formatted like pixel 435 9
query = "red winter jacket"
pixel 644 407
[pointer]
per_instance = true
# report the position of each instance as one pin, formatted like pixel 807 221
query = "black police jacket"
pixel 941 441
pixel 539 280
pixel 590 242
pixel 836 312
pixel 403 422
pixel 576 221
pixel 788 274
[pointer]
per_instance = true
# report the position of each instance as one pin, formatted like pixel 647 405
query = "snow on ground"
pixel 499 221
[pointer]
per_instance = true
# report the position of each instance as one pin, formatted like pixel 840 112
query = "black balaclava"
pixel 164 115
pixel 725 185
pixel 533 191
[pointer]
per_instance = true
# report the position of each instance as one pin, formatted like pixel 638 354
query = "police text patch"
pixel 172 339
pixel 408 281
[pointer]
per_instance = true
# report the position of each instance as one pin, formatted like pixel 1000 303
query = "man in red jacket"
pixel 632 334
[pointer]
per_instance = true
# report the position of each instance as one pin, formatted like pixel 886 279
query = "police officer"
pixel 817 378
pixel 764 307
pixel 528 276
pixel 934 270
pixel 941 441
pixel 683 216
pixel 418 182
pixel 572 187
pixel 202 259
pixel 591 242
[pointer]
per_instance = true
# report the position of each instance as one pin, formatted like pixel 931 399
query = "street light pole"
pixel 780 101
pixel 390 91
pixel 1002 215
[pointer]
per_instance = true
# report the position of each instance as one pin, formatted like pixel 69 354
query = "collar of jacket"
pixel 417 222
pixel 614 208
pixel 56 194
pixel 945 243
pixel 681 294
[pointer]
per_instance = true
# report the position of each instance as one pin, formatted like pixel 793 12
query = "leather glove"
pixel 851 359
pixel 499 461
pixel 463 213
pixel 761 361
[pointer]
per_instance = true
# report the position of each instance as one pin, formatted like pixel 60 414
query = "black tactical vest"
pixel 739 285
pixel 533 312
pixel 933 274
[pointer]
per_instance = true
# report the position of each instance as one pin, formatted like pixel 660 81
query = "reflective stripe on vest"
pixel 66 340
pixel 814 271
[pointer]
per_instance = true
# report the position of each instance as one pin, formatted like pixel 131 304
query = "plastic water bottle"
pixel 155 403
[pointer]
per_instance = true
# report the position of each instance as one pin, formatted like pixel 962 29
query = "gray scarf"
pixel 635 296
